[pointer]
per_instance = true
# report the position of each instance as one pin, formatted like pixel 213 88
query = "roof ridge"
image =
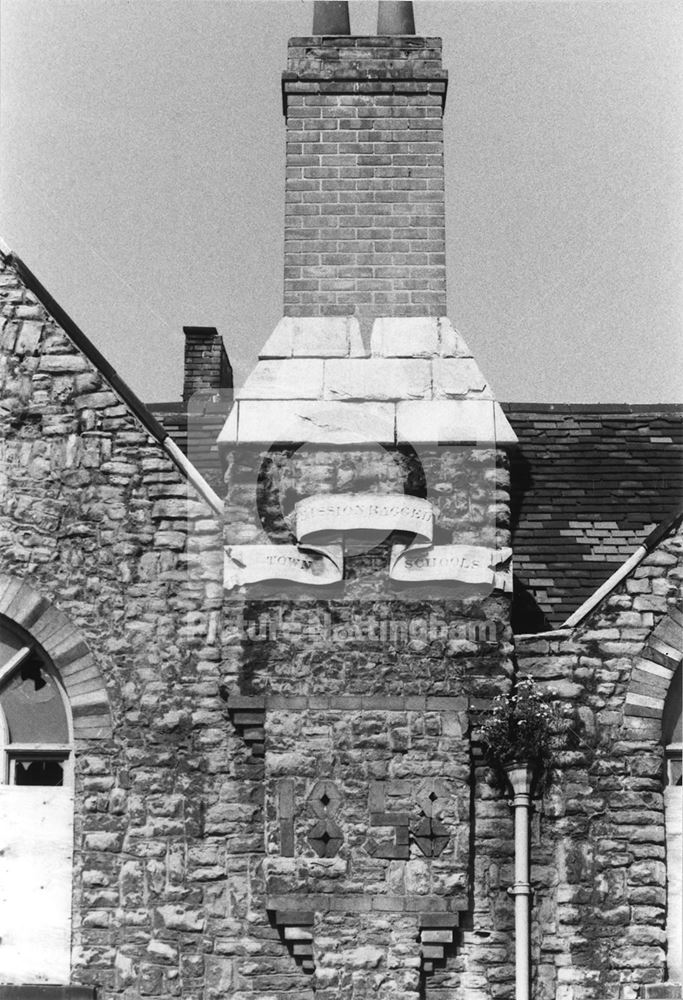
pixel 596 407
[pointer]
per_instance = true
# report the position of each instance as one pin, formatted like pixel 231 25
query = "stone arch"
pixel 644 715
pixel 68 651
pixel 653 672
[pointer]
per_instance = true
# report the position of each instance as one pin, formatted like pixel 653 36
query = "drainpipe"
pixel 520 776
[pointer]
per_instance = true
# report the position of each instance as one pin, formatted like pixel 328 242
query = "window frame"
pixel 11 752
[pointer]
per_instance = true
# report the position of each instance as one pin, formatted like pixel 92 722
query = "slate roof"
pixel 589 483
pixel 196 435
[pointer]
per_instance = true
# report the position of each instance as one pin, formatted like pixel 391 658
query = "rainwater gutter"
pixel 138 408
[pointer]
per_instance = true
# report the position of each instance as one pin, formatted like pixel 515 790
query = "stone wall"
pixel 98 522
pixel 598 857
pixel 356 711
pixel 330 830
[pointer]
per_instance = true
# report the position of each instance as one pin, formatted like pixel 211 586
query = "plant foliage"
pixel 524 725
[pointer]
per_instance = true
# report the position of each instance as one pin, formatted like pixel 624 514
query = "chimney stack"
pixel 364 189
pixel 206 362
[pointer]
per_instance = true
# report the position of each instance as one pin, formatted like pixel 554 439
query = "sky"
pixel 142 180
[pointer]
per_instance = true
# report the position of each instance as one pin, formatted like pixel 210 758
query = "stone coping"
pixel 40 991
pixel 335 702
pixel 363 903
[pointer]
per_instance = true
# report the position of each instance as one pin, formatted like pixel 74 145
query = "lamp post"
pixel 520 776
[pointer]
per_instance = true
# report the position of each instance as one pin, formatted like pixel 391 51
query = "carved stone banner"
pixel 327 524
pixel 343 513
pixel 255 563
pixel 472 564
pixel 323 524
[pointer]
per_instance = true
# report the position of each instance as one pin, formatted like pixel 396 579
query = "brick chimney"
pixel 206 362
pixel 364 191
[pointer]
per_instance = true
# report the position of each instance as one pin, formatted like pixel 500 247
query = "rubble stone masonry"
pixel 97 522
pixel 599 850
pixel 356 849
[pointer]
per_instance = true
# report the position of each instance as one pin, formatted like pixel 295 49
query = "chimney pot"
pixel 395 17
pixel 331 17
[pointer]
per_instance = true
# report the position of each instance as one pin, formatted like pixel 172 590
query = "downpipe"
pixel 521 776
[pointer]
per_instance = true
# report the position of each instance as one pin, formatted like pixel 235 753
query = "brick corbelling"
pixel 357 59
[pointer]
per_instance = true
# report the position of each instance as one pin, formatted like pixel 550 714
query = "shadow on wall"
pixel 526 615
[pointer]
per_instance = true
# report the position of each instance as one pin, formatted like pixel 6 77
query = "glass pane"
pixel 33 705
pixel 671 719
pixel 675 769
pixel 38 772
pixel 9 644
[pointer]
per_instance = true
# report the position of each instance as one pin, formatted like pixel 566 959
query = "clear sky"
pixel 143 178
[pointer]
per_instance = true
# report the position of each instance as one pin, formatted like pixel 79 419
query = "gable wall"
pixel 96 520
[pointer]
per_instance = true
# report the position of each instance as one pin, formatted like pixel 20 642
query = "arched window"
pixel 34 722
pixel 36 814
pixel 673 805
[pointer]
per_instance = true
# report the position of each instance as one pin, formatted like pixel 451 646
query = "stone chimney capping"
pixel 313 383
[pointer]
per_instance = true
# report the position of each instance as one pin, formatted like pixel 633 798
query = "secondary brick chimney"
pixel 206 362
pixel 364 228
